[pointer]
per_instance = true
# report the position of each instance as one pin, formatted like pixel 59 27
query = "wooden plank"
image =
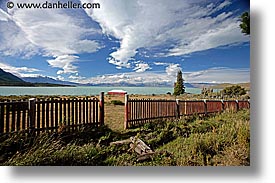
pixel 56 114
pixel 96 112
pixel 24 117
pixel 140 146
pixel 101 105
pixel 80 112
pixel 38 113
pixel 2 116
pixel 60 121
pixel 18 116
pixel 43 115
pixel 31 108
pixel 120 142
pixel 87 110
pixel 52 113
pixel 94 120
pixel 76 111
pixel 64 119
pixel 47 125
pixel 13 110
pixel 73 111
pixel 83 111
pixel 69 112
pixel 90 111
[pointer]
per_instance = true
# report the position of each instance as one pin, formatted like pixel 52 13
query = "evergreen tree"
pixel 245 23
pixel 179 87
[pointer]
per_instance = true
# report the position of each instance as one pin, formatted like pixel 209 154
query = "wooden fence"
pixel 139 111
pixel 49 115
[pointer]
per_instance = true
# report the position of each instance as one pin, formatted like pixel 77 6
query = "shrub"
pixel 235 90
pixel 117 102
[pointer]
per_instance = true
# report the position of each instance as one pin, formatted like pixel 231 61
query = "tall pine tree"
pixel 179 87
pixel 245 23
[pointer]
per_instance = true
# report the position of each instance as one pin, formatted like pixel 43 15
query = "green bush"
pixel 117 102
pixel 232 91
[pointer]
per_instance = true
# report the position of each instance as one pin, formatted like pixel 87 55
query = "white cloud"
pixel 76 78
pixel 168 76
pixel 18 71
pixel 4 16
pixel 132 78
pixel 13 41
pixel 211 75
pixel 141 67
pixel 48 32
pixel 179 27
pixel 118 64
pixel 65 62
pixel 219 75
pixel 172 70
pixel 161 63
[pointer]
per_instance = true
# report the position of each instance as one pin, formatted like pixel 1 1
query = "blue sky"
pixel 139 41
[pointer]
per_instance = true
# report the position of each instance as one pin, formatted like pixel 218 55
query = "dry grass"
pixel 114 116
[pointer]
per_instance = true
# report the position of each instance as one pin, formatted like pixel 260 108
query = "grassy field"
pixel 219 140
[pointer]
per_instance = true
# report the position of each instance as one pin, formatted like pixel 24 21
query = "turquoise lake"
pixel 91 90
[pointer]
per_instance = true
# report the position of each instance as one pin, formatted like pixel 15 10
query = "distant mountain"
pixel 48 80
pixel 203 85
pixel 8 79
pixel 125 84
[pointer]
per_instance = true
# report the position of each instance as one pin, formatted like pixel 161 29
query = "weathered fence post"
pixel 177 108
pixel 237 105
pixel 185 107
pixel 205 106
pixel 126 112
pixel 31 107
pixel 223 107
pixel 101 109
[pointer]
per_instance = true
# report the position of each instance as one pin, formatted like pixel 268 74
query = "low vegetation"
pixel 194 141
pixel 231 92
pixel 117 102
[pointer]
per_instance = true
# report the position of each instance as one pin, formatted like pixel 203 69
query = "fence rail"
pixel 40 115
pixel 139 111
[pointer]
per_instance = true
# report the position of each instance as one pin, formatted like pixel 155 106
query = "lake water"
pixel 91 90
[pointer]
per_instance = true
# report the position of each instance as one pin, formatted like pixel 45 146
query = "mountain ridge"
pixel 8 79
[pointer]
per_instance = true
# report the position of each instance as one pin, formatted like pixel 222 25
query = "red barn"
pixel 117 92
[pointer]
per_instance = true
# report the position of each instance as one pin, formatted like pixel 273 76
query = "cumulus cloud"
pixel 172 70
pixel 141 67
pixel 176 27
pixel 65 62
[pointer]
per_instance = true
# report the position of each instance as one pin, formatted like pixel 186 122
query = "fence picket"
pixel 139 111
pixel 18 115
pixel 2 124
pixel 8 117
pixel 13 110
pixel 47 113
pixel 41 115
